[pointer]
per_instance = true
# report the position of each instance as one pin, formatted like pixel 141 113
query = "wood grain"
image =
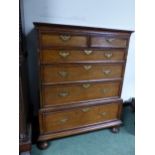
pixel 64 94
pixel 77 72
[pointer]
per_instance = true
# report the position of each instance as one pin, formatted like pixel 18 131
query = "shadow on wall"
pixel 33 70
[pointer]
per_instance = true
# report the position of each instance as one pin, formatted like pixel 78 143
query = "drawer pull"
pixel 65 37
pixel 88 52
pixel 86 85
pixel 64 120
pixel 63 94
pixel 103 113
pixel 107 72
pixel 64 54
pixel 63 73
pixel 87 67
pixel 110 40
pixel 108 55
pixel 104 90
pixel 85 109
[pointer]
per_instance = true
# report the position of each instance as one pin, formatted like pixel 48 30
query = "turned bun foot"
pixel 115 129
pixel 42 145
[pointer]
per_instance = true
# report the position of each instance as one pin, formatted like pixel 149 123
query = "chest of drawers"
pixel 81 72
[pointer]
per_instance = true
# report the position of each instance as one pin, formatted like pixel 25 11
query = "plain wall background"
pixel 117 14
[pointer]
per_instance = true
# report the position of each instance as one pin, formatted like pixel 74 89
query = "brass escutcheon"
pixel 107 72
pixel 64 120
pixel 63 94
pixel 86 85
pixel 64 54
pixel 85 109
pixel 103 113
pixel 87 67
pixel 110 40
pixel 108 55
pixel 63 73
pixel 88 52
pixel 65 37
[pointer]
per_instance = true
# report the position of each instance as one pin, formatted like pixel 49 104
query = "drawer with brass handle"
pixel 108 42
pixel 69 93
pixel 76 72
pixel 78 117
pixel 63 40
pixel 50 56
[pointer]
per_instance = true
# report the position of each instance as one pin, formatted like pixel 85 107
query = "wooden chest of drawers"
pixel 81 72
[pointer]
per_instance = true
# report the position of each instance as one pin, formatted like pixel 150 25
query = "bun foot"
pixel 115 129
pixel 42 145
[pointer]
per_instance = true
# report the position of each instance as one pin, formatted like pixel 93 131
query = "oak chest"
pixel 81 72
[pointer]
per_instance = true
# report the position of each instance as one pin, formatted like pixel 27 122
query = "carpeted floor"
pixel 101 142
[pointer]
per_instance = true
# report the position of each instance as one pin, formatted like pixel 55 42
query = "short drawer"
pixel 78 117
pixel 108 42
pixel 71 93
pixel 50 56
pixel 77 72
pixel 63 40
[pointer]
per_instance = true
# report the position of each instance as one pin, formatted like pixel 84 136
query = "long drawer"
pixel 65 94
pixel 54 40
pixel 56 121
pixel 76 72
pixel 50 56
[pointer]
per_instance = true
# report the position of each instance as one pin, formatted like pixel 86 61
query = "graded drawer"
pixel 50 56
pixel 63 40
pixel 71 93
pixel 79 117
pixel 108 42
pixel 76 72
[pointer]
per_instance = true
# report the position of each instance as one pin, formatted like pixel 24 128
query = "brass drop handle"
pixel 64 120
pixel 65 37
pixel 110 40
pixel 63 74
pixel 107 72
pixel 64 54
pixel 108 55
pixel 104 90
pixel 103 113
pixel 85 109
pixel 88 52
pixel 86 85
pixel 87 67
pixel 63 94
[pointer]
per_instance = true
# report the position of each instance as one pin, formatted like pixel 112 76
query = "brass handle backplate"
pixel 85 109
pixel 86 85
pixel 88 52
pixel 107 72
pixel 104 90
pixel 87 67
pixel 64 120
pixel 65 37
pixel 64 54
pixel 63 94
pixel 110 40
pixel 63 74
pixel 103 113
pixel 108 55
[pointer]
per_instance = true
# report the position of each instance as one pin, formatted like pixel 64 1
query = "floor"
pixel 101 142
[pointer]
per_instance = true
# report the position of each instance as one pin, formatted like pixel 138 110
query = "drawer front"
pixel 63 40
pixel 69 119
pixel 108 42
pixel 76 72
pixel 65 94
pixel 49 56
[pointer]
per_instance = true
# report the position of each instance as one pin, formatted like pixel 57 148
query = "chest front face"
pixel 81 73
